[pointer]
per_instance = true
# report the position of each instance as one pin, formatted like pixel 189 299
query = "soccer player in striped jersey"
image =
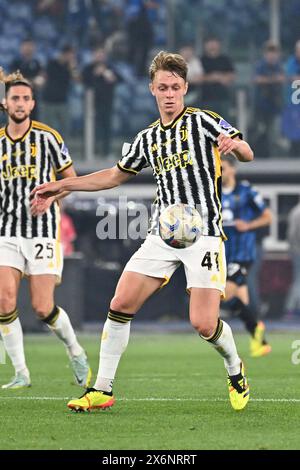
pixel 244 211
pixel 183 149
pixel 31 153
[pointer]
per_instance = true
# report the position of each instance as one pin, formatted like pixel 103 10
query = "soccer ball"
pixel 180 225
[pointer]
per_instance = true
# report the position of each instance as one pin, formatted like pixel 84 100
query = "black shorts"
pixel 237 273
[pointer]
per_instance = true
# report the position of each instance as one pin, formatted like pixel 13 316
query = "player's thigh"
pixel 204 309
pixel 231 290
pixel 12 263
pixel 151 266
pixel 236 285
pixel 243 294
pixel 132 290
pixel 9 286
pixel 42 288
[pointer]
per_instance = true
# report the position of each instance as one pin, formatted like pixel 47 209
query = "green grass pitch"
pixel 171 394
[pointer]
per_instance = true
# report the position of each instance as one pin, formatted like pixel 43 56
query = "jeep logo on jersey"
pixel 180 160
pixel 22 171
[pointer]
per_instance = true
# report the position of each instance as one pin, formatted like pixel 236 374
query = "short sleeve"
pixel 256 200
pixel 59 152
pixel 213 124
pixel 133 157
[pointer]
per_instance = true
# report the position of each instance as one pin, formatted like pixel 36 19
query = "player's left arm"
pixel 40 206
pixel 240 148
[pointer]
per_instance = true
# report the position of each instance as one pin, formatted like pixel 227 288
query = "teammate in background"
pixel 31 153
pixel 244 211
pixel 183 148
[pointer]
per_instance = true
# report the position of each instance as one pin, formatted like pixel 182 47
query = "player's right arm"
pixel 104 179
pixel 262 221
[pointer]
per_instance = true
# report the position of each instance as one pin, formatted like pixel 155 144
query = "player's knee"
pixel 41 309
pixel 122 304
pixel 234 304
pixel 7 302
pixel 205 328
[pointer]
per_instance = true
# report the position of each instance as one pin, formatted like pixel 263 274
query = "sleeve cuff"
pixel 59 170
pixel 127 170
pixel 237 134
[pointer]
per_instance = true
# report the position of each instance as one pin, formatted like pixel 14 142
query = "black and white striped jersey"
pixel 33 159
pixel 186 163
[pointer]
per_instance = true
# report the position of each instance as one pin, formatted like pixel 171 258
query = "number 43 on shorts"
pixel 211 259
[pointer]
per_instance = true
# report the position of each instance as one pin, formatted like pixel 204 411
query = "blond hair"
pixel 174 63
pixel 14 78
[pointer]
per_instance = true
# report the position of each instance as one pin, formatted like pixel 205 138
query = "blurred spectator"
pixel 291 116
pixel 30 67
pixel 27 63
pixel 217 79
pixel 108 15
pixel 68 233
pixel 269 79
pixel 293 64
pixel 293 299
pixel 194 76
pixel 59 75
pixel 140 34
pixel 78 12
pixel 53 8
pixel 101 77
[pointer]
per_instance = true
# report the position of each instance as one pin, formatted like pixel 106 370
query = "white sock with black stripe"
pixel 115 337
pixel 223 342
pixel 12 335
pixel 59 322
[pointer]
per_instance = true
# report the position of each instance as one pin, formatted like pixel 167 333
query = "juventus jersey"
pixel 185 162
pixel 33 159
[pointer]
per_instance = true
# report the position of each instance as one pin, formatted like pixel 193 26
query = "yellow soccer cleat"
pixel 258 345
pixel 259 332
pixel 260 350
pixel 239 393
pixel 92 399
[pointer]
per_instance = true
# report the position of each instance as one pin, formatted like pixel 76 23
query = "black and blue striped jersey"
pixel 243 202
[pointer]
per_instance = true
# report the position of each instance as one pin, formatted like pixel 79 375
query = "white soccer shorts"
pixel 32 256
pixel 204 262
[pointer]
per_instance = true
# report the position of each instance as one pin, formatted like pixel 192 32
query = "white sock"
pixel 12 336
pixel 225 346
pixel 64 331
pixel 115 337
